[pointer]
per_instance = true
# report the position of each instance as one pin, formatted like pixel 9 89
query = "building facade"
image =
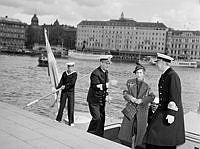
pixel 122 35
pixel 59 35
pixel 183 44
pixel 12 34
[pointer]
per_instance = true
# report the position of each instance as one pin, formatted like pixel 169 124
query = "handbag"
pixel 130 110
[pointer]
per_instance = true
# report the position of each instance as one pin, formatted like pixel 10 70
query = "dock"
pixel 23 129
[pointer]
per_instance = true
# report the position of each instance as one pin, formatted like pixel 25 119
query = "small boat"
pixel 42 61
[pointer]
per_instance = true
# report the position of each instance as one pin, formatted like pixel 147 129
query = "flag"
pixel 52 66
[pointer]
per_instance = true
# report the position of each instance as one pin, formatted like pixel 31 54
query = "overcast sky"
pixel 177 14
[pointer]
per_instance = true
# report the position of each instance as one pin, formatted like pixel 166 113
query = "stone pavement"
pixel 21 129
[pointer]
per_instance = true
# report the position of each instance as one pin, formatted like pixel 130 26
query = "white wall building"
pixel 123 35
pixel 182 44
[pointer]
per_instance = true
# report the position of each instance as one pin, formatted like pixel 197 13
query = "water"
pixel 22 81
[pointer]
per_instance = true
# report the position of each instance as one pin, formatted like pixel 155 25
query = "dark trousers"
pixel 96 125
pixel 149 146
pixel 70 106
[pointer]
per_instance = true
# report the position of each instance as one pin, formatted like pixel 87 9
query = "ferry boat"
pixel 83 55
pixel 179 63
pixel 42 61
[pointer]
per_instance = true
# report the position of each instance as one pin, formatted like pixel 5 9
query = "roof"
pixel 180 32
pixel 123 22
pixel 10 20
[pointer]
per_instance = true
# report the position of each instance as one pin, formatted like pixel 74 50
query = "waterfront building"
pixel 59 35
pixel 33 33
pixel 12 34
pixel 123 36
pixel 183 44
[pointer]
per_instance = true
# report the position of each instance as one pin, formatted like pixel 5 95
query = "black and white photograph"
pixel 109 74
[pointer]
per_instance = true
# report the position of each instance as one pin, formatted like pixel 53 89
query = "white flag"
pixel 52 66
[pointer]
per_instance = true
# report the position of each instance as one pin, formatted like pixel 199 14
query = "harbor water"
pixel 22 81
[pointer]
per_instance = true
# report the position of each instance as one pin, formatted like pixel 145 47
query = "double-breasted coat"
pixel 95 95
pixel 96 101
pixel 159 131
pixel 127 129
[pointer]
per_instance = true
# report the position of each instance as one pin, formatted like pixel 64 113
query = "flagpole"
pixel 77 80
pixel 37 100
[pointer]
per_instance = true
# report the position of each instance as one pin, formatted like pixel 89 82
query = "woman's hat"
pixel 138 67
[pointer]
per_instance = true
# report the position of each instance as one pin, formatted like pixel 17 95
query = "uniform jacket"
pixel 95 95
pixel 68 80
pixel 147 96
pixel 159 131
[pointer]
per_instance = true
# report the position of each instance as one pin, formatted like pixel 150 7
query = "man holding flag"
pixel 67 84
pixel 52 71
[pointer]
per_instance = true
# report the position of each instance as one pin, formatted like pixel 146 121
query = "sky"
pixel 177 14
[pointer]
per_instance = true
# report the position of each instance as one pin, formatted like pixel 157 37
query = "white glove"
pixel 172 106
pixel 53 89
pixel 100 86
pixel 156 100
pixel 62 87
pixel 170 119
pixel 107 85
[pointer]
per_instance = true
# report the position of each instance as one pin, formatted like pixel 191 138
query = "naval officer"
pixel 97 95
pixel 166 128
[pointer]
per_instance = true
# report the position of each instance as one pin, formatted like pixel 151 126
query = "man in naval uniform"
pixel 166 127
pixel 67 83
pixel 97 96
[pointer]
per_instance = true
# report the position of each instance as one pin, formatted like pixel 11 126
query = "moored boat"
pixel 83 55
pixel 42 61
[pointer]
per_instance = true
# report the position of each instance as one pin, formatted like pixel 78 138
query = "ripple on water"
pixel 22 82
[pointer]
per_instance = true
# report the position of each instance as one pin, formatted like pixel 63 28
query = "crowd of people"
pixel 147 123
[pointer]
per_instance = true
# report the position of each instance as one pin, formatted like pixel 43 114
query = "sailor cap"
pixel 70 63
pixel 105 57
pixel 164 57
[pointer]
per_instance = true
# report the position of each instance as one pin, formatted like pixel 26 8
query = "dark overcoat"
pixel 159 131
pixel 95 95
pixel 144 92
pixel 96 100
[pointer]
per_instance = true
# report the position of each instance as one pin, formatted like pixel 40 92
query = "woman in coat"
pixel 139 93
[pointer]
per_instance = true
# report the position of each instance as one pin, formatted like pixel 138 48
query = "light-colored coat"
pixel 126 132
